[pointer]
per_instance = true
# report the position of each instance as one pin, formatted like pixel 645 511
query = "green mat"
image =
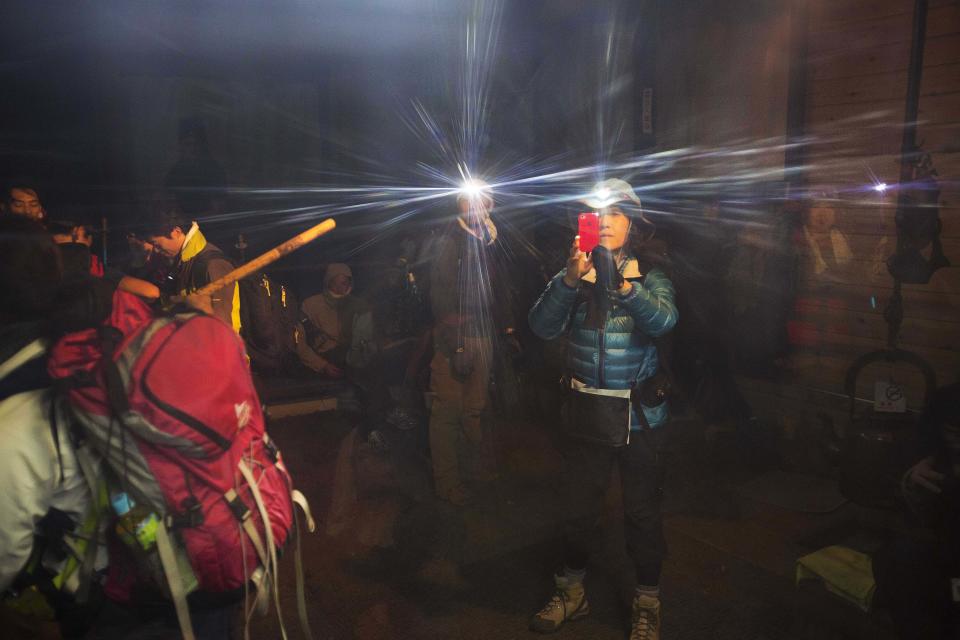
pixel 844 572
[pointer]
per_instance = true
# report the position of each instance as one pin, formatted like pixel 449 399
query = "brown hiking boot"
pixel 569 602
pixel 646 618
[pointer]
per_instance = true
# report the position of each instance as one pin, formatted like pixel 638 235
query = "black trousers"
pixel 586 478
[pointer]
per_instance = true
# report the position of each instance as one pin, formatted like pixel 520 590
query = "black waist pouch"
pixel 593 418
pixel 655 390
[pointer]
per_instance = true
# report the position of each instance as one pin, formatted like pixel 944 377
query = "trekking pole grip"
pixel 270 256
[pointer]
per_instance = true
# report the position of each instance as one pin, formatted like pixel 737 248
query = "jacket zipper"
pixel 601 378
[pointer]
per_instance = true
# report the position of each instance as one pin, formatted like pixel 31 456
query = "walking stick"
pixel 269 257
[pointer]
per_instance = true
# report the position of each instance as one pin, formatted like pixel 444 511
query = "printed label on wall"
pixel 889 397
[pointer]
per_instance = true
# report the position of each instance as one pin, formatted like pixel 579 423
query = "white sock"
pixel 648 591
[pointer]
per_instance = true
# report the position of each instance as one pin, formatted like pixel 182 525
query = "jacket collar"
pixel 631 269
pixel 193 244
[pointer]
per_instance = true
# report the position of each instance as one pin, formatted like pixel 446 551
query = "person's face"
pixel 25 202
pixel 82 235
pixel 168 245
pixel 340 284
pixel 475 210
pixel 821 219
pixel 614 228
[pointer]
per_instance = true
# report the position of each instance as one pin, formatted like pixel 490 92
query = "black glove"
pixel 608 276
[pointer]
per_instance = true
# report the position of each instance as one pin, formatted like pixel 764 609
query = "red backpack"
pixel 169 404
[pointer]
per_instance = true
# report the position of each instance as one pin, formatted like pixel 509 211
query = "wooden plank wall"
pixel 856 85
pixel 856 78
pixel 722 78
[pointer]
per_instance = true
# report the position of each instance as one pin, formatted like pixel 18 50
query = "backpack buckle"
pixel 272 450
pixel 192 516
pixel 239 508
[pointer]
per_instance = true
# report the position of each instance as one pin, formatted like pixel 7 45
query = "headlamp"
pixel 473 189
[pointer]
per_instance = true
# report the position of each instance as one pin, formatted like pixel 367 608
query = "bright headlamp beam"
pixel 473 189
pixel 601 198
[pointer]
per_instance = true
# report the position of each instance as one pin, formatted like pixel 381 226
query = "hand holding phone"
pixel 588 229
pixel 578 264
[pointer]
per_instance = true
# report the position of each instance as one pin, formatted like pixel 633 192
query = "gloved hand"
pixel 608 276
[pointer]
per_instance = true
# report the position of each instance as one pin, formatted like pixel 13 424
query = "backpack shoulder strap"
pixel 202 260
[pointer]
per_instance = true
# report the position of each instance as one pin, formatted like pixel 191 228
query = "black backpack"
pixel 268 319
pixel 268 315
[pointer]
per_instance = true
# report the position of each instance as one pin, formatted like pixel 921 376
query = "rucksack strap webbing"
pixel 110 338
pixel 272 567
pixel 298 570
pixel 262 602
pixel 98 491
pixel 174 581
pixel 261 577
pixel 242 514
pixel 299 500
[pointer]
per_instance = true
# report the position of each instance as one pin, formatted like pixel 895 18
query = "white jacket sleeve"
pixel 29 473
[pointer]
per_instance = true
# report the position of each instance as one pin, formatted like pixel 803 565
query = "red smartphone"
pixel 588 228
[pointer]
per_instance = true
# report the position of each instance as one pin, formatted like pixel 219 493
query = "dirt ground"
pixel 409 567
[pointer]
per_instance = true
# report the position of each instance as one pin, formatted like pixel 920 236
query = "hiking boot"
pixel 569 602
pixel 378 442
pixel 646 618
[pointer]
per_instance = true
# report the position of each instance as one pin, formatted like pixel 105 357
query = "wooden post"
pixel 794 155
pixel 893 313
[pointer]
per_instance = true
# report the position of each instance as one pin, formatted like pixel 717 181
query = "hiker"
pixel 196 262
pixel 466 298
pixel 45 502
pixel 614 297
pixel 75 240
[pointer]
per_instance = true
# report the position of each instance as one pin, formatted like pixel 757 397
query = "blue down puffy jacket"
pixel 622 352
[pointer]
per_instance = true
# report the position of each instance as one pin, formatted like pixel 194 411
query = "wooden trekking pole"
pixel 269 257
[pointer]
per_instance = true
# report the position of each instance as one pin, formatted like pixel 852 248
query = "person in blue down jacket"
pixel 611 306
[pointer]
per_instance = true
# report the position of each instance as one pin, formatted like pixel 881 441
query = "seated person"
pixel 918 571
pixel 337 327
pixel 340 342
